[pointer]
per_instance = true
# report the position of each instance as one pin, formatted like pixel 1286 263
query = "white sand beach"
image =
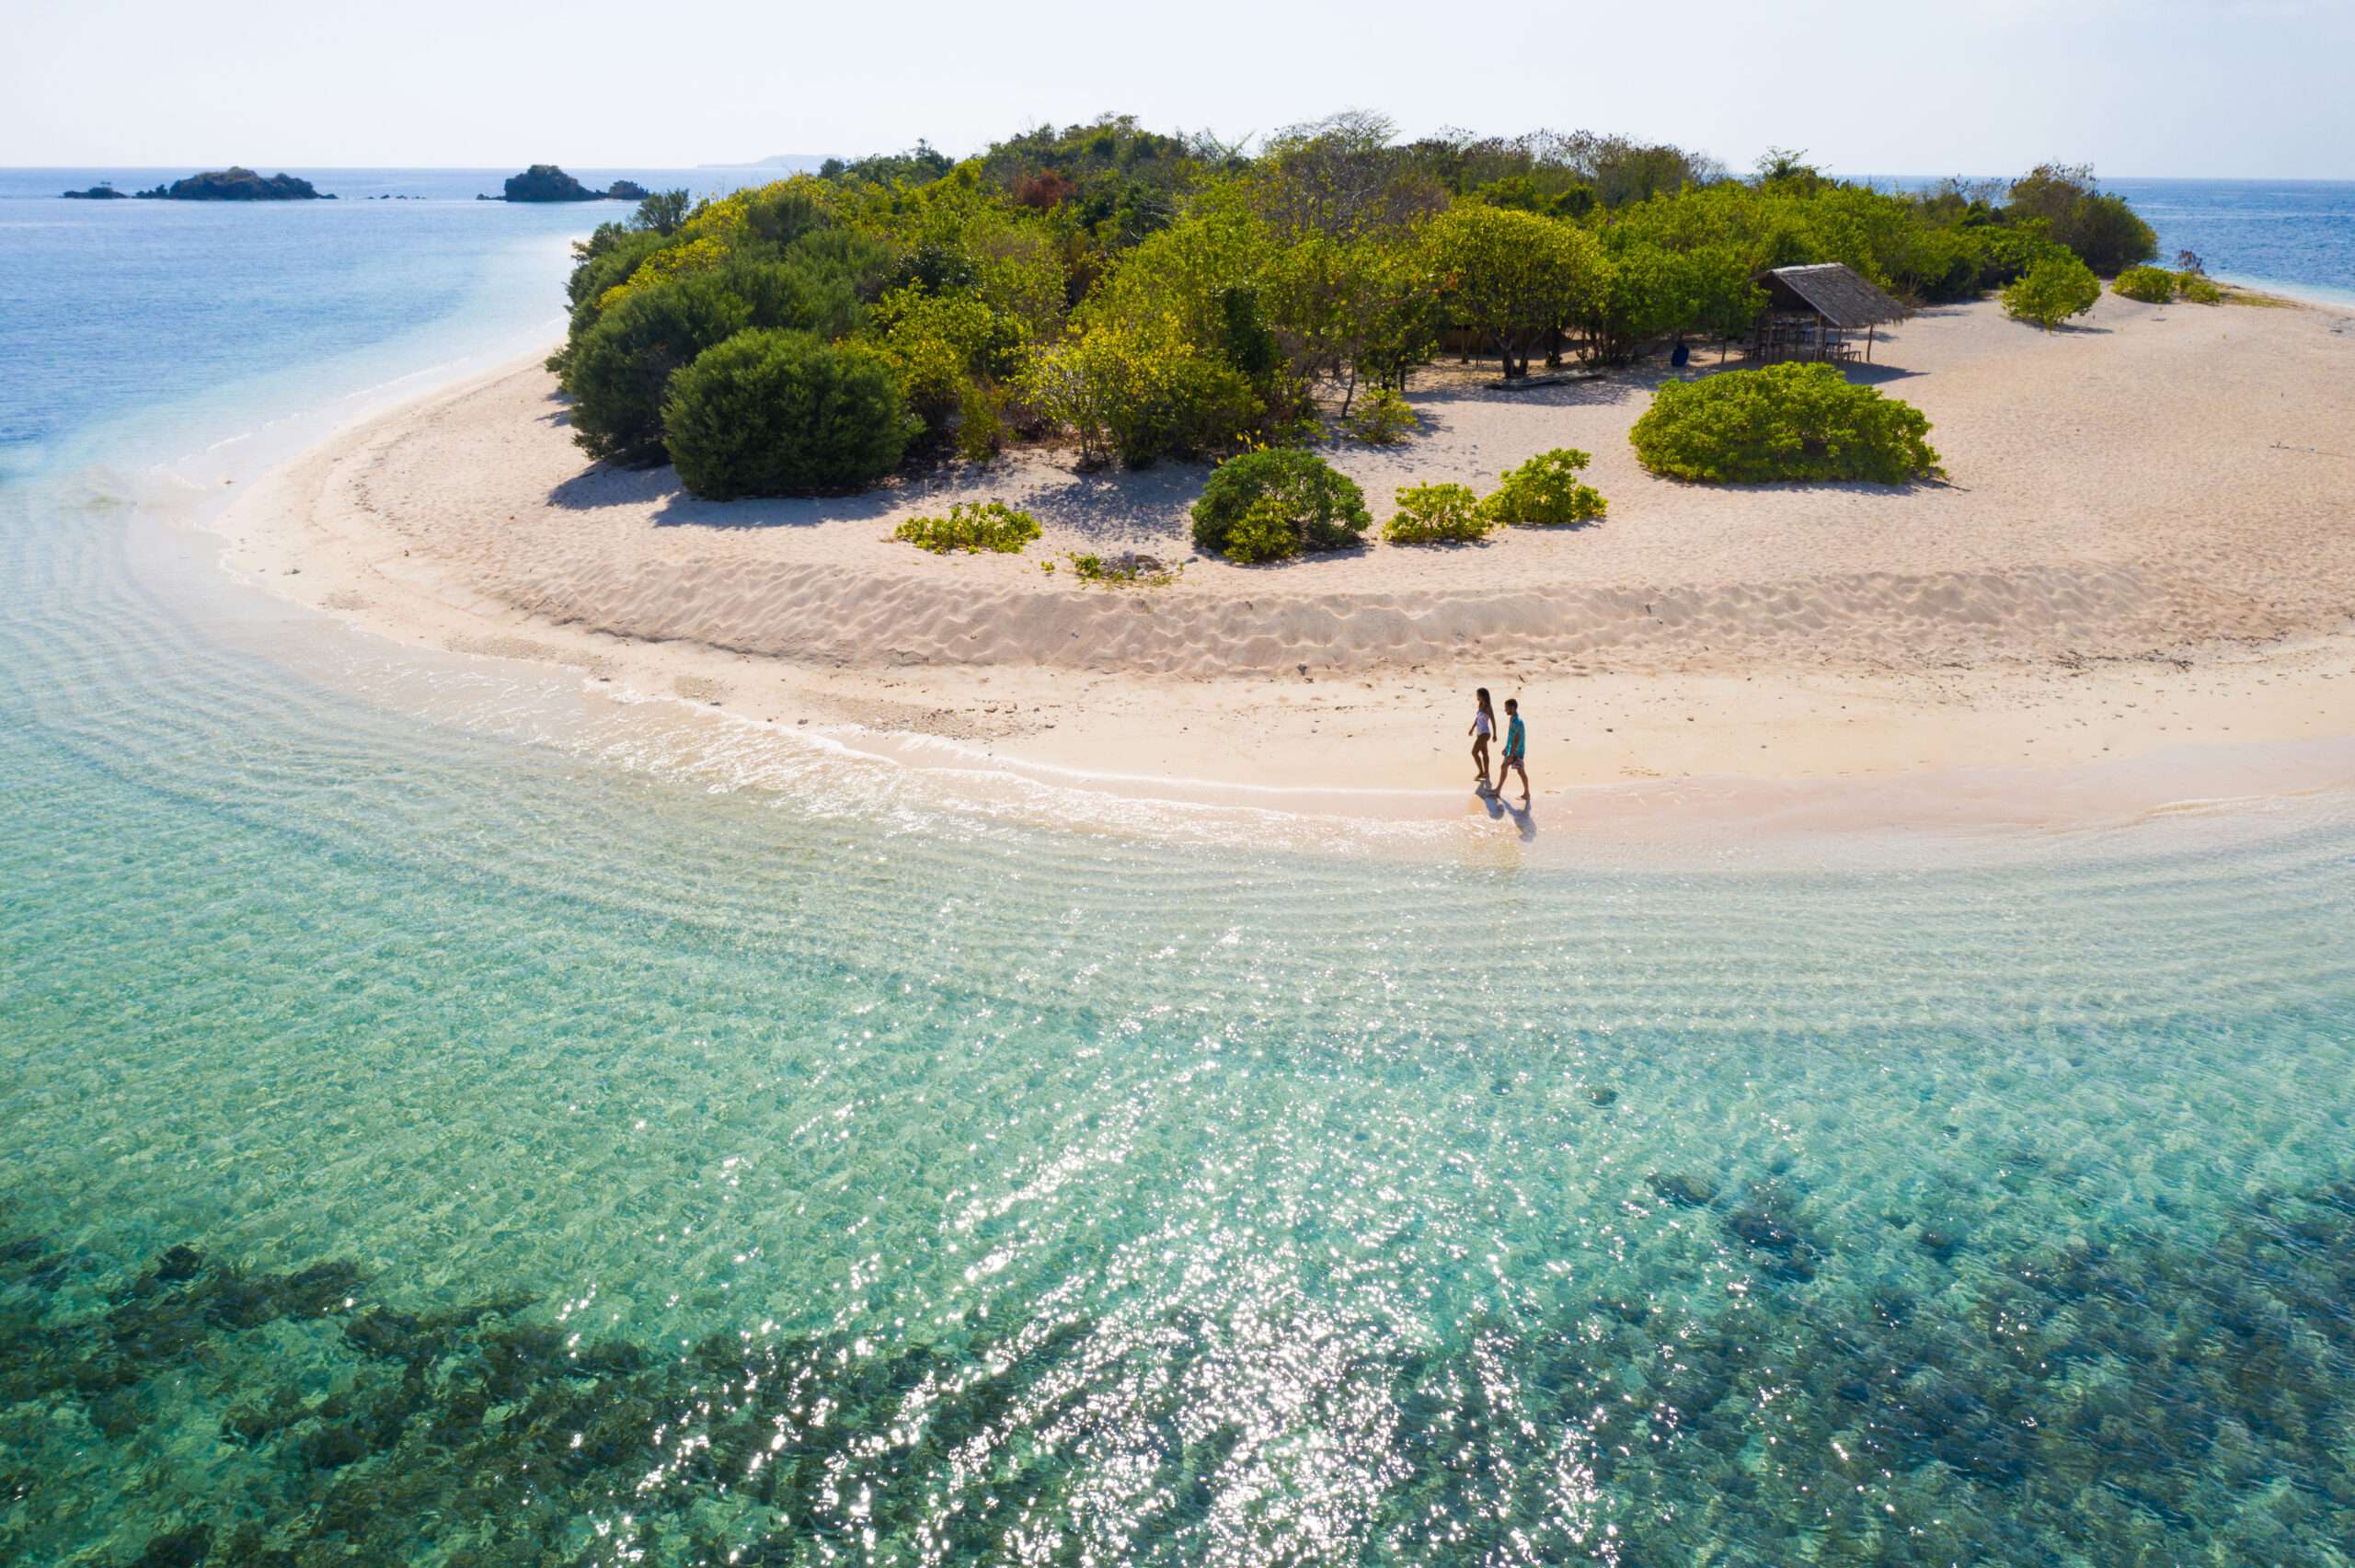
pixel 2146 539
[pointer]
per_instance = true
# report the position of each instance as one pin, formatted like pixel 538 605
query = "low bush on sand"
pixel 1382 418
pixel 1437 514
pixel 2053 290
pixel 2152 285
pixel 972 527
pixel 1265 506
pixel 1545 491
pixel 1784 422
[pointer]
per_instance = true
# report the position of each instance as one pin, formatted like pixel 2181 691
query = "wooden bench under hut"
pixel 1815 313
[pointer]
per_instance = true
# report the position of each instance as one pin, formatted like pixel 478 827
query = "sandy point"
pixel 2145 550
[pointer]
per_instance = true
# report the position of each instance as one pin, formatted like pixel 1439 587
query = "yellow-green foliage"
pixel 1169 287
pixel 1318 508
pixel 671 261
pixel 943 343
pixel 972 527
pixel 2198 289
pixel 1438 514
pixel 1264 533
pixel 1382 418
pixel 1137 392
pixel 1513 277
pixel 1545 491
pixel 2152 285
pixel 2053 289
pixel 1786 421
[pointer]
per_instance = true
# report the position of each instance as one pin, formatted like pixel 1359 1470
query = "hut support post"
pixel 1868 341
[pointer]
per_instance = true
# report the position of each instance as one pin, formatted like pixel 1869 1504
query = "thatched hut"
pixel 1814 313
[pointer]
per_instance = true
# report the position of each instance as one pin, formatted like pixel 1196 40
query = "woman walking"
pixel 1484 724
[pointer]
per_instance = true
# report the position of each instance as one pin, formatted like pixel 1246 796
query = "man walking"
pixel 1516 750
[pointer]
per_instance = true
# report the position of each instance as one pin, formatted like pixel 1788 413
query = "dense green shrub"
pixel 981 424
pixel 2053 289
pixel 619 372
pixel 972 527
pixel 1546 491
pixel 1140 395
pixel 1198 405
pixel 1264 533
pixel 1384 418
pixel 607 259
pixel 2152 285
pixel 2106 233
pixel 2008 251
pixel 1281 490
pixel 771 412
pixel 1787 421
pixel 661 213
pixel 1437 514
pixel 2198 289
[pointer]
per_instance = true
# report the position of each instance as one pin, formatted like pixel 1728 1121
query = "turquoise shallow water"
pixel 428 1147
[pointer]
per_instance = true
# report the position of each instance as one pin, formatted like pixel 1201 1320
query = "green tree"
pixel 2104 231
pixel 663 213
pixel 1513 277
pixel 1347 310
pixel 1139 393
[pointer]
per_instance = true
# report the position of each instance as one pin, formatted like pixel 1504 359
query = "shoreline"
pixel 1944 657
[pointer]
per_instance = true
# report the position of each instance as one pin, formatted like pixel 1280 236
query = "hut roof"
pixel 1836 293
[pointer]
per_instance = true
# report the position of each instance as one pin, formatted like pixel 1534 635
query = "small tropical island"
pixel 1073 446
pixel 547 182
pixel 102 191
pixel 235 183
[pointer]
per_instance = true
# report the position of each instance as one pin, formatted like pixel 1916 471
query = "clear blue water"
pixel 2292 234
pixel 2295 236
pixel 426 1147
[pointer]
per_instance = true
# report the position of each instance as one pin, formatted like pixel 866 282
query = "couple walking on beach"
pixel 1516 757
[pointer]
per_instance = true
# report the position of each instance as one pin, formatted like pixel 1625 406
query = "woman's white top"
pixel 1482 725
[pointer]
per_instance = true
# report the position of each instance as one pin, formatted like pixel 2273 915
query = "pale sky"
pixel 2190 88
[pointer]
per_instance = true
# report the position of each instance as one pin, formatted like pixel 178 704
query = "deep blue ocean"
pixel 444 1127
pixel 2293 235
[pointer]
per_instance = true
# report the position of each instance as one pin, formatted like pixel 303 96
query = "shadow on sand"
pixel 1498 809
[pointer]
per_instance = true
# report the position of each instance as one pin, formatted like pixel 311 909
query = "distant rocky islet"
pixel 235 183
pixel 547 182
pixel 541 182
